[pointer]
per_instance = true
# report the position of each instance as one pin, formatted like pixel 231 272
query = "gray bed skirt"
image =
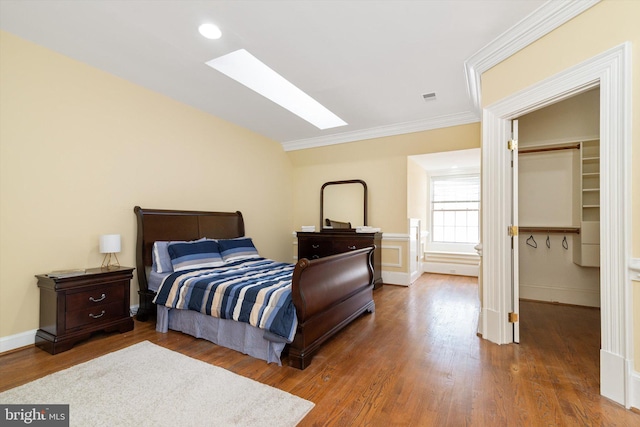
pixel 237 336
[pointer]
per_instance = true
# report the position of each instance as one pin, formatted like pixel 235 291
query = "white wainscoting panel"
pixel 461 264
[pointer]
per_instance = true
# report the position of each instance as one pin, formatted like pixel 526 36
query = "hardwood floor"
pixel 415 362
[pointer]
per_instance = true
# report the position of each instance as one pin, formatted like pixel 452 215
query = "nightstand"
pixel 75 306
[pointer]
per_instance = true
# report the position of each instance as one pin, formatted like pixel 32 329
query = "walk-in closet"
pixel 559 203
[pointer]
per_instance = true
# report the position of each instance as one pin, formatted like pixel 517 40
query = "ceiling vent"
pixel 429 96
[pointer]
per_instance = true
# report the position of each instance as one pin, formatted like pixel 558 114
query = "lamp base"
pixel 108 262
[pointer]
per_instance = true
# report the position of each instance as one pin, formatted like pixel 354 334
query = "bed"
pixel 324 295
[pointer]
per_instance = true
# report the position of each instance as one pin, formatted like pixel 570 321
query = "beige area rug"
pixel 169 389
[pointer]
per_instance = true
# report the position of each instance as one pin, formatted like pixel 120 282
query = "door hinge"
pixel 512 144
pixel 512 230
pixel 513 317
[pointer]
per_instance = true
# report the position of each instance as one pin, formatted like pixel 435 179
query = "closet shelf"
pixel 561 230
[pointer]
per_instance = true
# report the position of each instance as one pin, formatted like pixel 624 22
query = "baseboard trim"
pixel 612 377
pixel 634 390
pixel 573 296
pixel 13 342
pixel 491 322
pixel 450 268
pixel 395 278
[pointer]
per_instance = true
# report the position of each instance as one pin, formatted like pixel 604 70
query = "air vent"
pixel 429 96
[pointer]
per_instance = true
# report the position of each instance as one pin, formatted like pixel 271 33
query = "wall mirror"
pixel 343 205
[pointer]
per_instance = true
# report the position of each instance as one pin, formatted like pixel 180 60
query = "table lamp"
pixel 110 246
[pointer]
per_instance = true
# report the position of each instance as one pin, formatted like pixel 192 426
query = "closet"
pixel 559 202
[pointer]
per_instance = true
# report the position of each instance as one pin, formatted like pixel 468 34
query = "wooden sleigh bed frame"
pixel 328 293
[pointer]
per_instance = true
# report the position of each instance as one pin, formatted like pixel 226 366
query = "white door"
pixel 515 272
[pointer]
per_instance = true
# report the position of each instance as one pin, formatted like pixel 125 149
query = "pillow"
pixel 197 254
pixel 161 258
pixel 161 261
pixel 237 249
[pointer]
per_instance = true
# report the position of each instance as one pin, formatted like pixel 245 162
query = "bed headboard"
pixel 167 225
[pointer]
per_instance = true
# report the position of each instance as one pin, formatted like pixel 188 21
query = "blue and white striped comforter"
pixel 255 291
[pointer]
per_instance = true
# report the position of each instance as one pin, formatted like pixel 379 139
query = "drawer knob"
pixel 315 257
pixel 315 246
pixel 92 299
pixel 351 247
pixel 97 316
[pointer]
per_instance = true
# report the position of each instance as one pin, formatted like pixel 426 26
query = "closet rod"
pixel 562 230
pixel 538 150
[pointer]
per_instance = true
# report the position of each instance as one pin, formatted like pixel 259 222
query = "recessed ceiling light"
pixel 254 74
pixel 210 31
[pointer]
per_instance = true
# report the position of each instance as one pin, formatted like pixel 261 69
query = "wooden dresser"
pixel 73 307
pixel 325 243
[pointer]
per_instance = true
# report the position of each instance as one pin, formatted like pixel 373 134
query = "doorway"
pixel 610 72
pixel 558 245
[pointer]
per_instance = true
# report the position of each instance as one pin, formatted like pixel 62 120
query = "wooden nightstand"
pixel 72 308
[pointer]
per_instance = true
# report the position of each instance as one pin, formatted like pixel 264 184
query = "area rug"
pixel 168 389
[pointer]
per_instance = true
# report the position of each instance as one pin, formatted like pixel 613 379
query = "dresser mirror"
pixel 343 205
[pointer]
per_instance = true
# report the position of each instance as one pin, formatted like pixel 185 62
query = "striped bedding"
pixel 255 291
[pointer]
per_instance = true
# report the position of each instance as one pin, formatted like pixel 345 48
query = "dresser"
pixel 325 243
pixel 73 306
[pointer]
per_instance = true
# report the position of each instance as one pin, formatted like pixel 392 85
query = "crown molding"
pixel 540 22
pixel 382 131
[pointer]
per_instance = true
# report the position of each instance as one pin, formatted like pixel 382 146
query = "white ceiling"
pixel 367 61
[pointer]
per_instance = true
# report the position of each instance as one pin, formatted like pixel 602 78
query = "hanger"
pixel 565 244
pixel 532 242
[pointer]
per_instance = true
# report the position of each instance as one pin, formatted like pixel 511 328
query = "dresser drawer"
pixel 312 245
pixel 94 315
pixel 314 248
pixel 96 296
pixel 346 245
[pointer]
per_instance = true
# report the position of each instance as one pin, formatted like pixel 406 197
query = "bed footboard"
pixel 328 294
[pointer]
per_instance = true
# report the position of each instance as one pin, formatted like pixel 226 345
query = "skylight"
pixel 254 74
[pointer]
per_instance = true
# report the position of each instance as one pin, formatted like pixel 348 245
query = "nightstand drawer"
pixel 100 295
pixel 94 315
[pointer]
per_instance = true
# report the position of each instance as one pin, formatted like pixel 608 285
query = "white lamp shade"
pixel 109 243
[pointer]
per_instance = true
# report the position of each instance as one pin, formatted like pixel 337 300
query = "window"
pixel 455 205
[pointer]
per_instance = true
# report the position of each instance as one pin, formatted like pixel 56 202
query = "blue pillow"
pixel 197 254
pixel 160 255
pixel 237 249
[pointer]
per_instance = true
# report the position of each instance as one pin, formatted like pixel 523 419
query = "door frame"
pixel 611 71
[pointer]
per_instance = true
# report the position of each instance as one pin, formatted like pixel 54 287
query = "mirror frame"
pixel 349 181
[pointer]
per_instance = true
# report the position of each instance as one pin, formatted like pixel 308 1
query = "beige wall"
pixel 417 192
pixel 602 27
pixel 79 148
pixel 573 119
pixel 382 164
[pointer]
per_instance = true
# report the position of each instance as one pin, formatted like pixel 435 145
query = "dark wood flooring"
pixel 416 362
